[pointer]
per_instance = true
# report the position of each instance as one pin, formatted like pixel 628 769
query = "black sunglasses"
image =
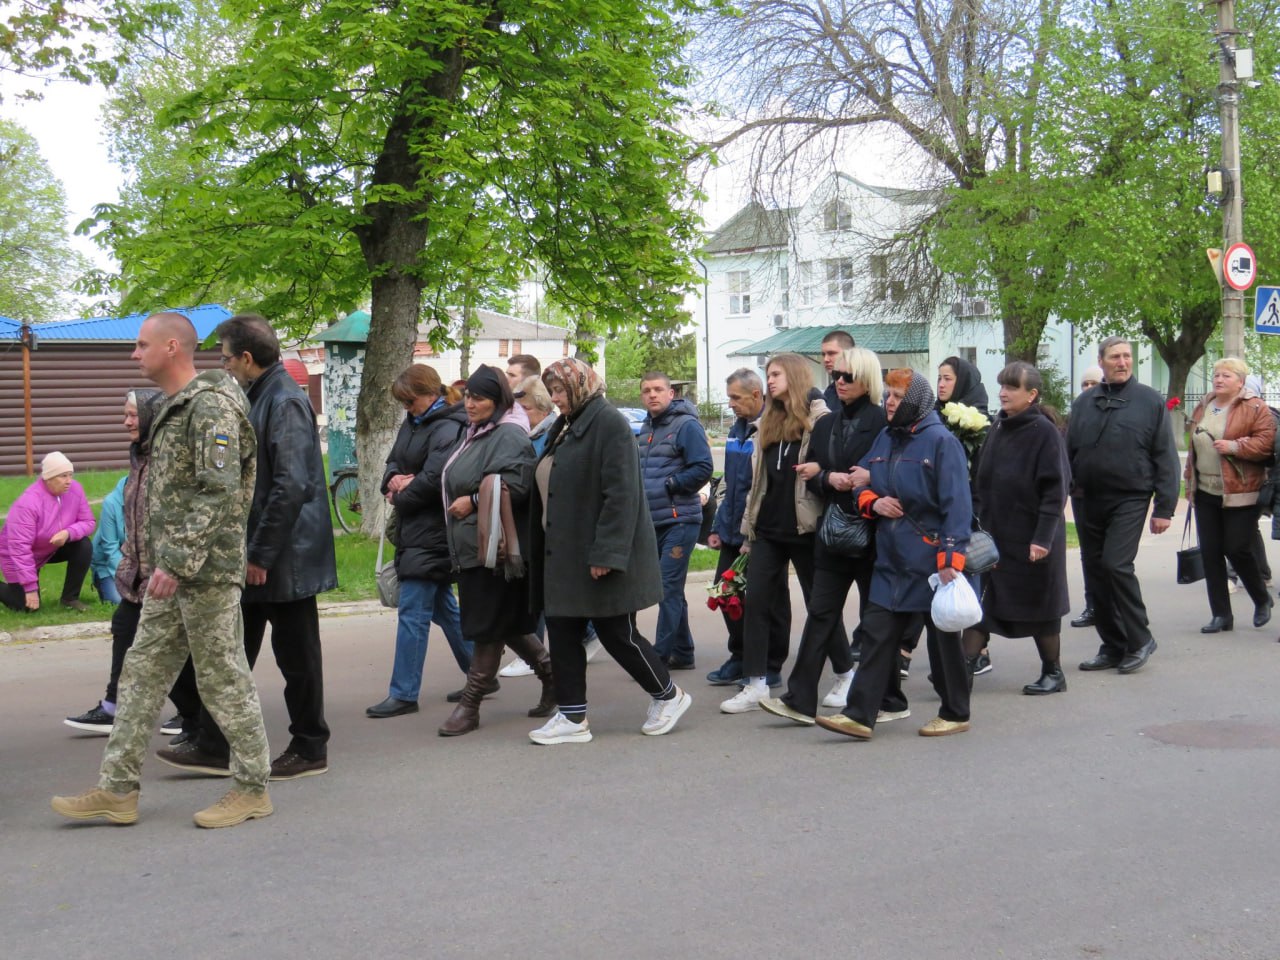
pixel 844 376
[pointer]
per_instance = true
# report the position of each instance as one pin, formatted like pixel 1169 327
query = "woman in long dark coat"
pixel 1023 480
pixel 594 556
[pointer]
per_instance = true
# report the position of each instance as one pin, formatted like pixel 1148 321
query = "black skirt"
pixel 492 607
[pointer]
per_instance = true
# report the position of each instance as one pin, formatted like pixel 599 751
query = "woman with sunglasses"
pixel 839 442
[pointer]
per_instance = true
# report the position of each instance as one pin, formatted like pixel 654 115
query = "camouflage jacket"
pixel 200 481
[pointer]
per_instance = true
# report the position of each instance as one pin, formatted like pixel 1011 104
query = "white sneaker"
pixel 516 668
pixel 663 714
pixel 747 699
pixel 560 729
pixel 839 694
pixel 884 716
pixel 592 647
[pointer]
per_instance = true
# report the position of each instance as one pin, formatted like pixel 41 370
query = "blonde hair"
pixel 533 388
pixel 1235 365
pixel 865 367
pixel 786 418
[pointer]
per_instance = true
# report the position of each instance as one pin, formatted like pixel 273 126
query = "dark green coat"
pixel 596 515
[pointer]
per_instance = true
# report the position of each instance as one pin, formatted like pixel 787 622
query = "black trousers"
pixel 295 641
pixel 1228 533
pixel 767 615
pixel 824 637
pixel 619 636
pixel 1077 506
pixel 76 554
pixel 124 627
pixel 1109 530
pixel 728 554
pixel 877 684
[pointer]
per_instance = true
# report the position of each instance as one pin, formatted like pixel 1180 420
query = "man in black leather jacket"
pixel 1122 455
pixel 290 553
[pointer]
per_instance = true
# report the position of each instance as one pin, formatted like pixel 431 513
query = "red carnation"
pixel 734 607
pixel 713 603
pixel 1173 403
pixel 729 574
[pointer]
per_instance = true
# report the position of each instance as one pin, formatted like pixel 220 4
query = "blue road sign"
pixel 1266 310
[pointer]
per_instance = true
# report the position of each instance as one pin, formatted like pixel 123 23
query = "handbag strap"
pixel 382 540
pixel 1186 528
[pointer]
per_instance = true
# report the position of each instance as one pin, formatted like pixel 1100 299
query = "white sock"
pixel 844 676
pixel 758 683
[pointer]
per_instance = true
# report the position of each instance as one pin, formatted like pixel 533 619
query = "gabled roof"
pixel 904 195
pixel 501 326
pixel 807 341
pixel 752 228
pixel 125 329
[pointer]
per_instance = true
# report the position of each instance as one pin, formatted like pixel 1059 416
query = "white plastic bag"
pixel 955 605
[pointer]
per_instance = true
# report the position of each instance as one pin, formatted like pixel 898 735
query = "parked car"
pixel 636 416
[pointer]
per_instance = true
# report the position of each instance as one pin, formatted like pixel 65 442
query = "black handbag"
pixel 1190 560
pixel 845 535
pixel 982 553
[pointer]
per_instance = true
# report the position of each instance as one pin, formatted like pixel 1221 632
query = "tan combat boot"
pixel 236 807
pixel 116 807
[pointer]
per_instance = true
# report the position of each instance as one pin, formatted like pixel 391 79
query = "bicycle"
pixel 345 493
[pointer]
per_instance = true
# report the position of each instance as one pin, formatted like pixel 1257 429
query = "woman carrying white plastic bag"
pixel 955 605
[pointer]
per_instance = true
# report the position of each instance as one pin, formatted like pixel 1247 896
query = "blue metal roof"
pixel 205 318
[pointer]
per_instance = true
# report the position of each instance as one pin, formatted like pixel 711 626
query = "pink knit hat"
pixel 55 465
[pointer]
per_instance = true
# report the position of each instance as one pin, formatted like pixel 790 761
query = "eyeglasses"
pixel 226 359
pixel 844 376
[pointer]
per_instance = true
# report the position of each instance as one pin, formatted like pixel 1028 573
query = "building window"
pixel 784 281
pixel 739 291
pixel 836 216
pixel 504 348
pixel 882 287
pixel 517 346
pixel 806 283
pixel 969 355
pixel 839 280
pixel 565 352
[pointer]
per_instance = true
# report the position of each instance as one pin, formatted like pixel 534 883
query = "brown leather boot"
pixel 485 661
pixel 529 649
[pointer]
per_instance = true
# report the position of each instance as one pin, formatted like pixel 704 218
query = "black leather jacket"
pixel 290 530
pixel 422 551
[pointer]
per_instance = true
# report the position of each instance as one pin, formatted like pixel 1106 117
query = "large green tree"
pixel 350 150
pixel 38 266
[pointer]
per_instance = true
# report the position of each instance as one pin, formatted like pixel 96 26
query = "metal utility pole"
pixel 1233 197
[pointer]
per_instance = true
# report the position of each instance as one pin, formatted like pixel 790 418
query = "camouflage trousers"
pixel 204 621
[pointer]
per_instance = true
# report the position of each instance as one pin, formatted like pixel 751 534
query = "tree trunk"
pixel 1182 352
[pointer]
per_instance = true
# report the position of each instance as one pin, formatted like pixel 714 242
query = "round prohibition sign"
pixel 1239 266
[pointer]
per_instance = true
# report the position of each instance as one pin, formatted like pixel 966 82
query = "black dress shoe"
pixel 1085 619
pixel 674 664
pixel 1102 661
pixel 391 707
pixel 1051 681
pixel 1225 624
pixel 1136 660
pixel 1262 613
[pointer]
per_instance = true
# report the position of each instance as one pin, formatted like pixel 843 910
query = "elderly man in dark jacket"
pixel 593 554
pixel 290 553
pixel 1122 453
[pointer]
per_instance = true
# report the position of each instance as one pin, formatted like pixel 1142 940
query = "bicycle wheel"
pixel 346 502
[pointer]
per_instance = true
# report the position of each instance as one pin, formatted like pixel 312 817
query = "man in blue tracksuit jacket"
pixel 746 399
pixel 675 462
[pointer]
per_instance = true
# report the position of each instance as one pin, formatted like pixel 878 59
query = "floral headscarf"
pixel 581 383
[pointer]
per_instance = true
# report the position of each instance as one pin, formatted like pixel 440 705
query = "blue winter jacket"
pixel 926 469
pixel 736 484
pixel 675 461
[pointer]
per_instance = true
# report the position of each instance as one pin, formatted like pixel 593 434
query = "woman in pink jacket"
pixel 50 523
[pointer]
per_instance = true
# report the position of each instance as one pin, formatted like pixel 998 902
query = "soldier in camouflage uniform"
pixel 199 489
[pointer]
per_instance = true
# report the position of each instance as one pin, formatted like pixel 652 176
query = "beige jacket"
pixel 808 505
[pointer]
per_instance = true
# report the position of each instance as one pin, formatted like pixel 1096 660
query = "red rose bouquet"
pixel 727 592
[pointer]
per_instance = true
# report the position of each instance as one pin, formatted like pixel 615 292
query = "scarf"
pixel 916 403
pixel 581 383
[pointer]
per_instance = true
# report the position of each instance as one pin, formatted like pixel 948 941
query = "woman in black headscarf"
pixel 959 381
pixel 485 521
pixel 915 484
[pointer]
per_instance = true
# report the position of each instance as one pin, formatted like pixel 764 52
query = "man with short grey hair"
pixel 1122 455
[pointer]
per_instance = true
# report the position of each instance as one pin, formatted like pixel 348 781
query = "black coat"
pixel 290 529
pixel 840 440
pixel 422 546
pixel 596 515
pixel 1021 491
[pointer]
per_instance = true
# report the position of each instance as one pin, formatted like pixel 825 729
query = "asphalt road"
pixel 1132 817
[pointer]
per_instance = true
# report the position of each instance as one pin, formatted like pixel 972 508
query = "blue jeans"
pixel 422 601
pixel 107 591
pixel 675 545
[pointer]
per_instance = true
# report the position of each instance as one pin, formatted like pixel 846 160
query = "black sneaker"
pixel 192 759
pixel 904 666
pixel 290 766
pixel 979 664
pixel 96 721
pixel 172 727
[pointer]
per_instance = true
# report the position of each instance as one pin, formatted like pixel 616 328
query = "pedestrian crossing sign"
pixel 1266 310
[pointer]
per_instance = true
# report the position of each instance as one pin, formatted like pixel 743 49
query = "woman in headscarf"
pixel 915 483
pixel 959 381
pixel 779 522
pixel 486 484
pixel 594 554
pixel 133 573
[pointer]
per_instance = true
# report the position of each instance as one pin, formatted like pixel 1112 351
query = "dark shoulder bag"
pixel 1190 560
